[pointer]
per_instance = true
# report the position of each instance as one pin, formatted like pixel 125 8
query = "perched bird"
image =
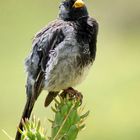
pixel 61 54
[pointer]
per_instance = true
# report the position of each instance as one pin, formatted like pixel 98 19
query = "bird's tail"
pixel 50 97
pixel 26 113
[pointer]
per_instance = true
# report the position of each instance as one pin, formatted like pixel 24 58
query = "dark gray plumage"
pixel 61 54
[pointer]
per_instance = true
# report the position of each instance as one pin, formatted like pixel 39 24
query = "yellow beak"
pixel 79 4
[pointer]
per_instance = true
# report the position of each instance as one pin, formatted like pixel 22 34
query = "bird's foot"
pixel 72 94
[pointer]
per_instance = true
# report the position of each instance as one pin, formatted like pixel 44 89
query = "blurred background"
pixel 112 88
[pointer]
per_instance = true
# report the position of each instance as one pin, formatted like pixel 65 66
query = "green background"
pixel 112 88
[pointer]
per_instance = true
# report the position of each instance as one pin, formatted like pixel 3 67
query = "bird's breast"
pixel 67 67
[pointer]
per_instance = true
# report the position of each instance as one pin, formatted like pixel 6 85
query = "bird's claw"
pixel 72 94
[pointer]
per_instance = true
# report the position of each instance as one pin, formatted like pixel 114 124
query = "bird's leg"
pixel 72 94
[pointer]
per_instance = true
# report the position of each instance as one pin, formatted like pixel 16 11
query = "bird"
pixel 62 54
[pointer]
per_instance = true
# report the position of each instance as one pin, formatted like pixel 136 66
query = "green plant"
pixel 32 130
pixel 67 123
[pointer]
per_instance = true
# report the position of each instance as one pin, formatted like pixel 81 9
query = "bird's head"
pixel 72 10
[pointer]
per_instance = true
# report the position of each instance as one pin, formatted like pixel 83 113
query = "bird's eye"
pixel 66 4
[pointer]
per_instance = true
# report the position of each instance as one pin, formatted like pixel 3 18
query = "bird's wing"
pixel 93 31
pixel 44 41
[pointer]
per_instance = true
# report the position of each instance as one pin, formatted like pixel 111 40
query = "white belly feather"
pixel 62 70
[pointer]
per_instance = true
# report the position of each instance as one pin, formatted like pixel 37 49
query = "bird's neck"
pixel 82 18
pixel 82 21
pixel 73 15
